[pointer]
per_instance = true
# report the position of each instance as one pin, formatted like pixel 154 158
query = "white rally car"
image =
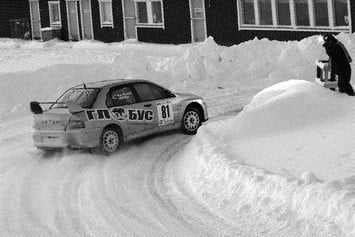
pixel 106 113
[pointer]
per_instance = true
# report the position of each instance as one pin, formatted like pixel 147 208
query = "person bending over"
pixel 339 60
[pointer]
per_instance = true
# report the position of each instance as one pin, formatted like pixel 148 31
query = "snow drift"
pixel 232 165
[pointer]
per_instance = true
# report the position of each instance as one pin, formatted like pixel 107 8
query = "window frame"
pixel 293 25
pixel 102 22
pixel 54 24
pixel 149 8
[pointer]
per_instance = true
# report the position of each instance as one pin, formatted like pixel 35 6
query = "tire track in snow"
pixel 133 192
pixel 170 193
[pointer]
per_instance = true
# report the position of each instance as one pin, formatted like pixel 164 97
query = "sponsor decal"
pixel 121 114
pixel 98 114
pixel 50 122
pixel 140 115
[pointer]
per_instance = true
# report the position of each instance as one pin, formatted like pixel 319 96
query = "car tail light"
pixel 75 124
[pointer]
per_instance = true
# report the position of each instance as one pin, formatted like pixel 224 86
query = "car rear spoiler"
pixel 72 107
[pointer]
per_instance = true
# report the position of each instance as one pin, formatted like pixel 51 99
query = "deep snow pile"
pixel 272 154
pixel 216 70
pixel 287 158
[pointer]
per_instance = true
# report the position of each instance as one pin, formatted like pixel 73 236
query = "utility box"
pixel 50 33
pixel 324 76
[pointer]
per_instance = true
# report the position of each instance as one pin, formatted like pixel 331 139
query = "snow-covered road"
pixel 139 191
pixel 134 192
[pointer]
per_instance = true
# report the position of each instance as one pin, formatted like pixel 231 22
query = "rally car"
pixel 104 114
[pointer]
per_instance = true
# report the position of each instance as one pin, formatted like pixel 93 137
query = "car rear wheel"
pixel 110 140
pixel 191 121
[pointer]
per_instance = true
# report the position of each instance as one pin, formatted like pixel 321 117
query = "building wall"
pixel 108 34
pixel 12 9
pixel 63 13
pixel 45 19
pixel 177 25
pixel 222 24
pixel 352 9
pixel 221 21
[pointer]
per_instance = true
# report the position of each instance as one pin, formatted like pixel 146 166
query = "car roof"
pixel 104 83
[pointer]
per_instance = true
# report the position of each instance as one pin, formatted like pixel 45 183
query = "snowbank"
pixel 254 64
pixel 283 205
pixel 288 106
pixel 245 68
pixel 266 160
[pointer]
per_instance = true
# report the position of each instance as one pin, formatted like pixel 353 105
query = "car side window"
pixel 148 92
pixel 120 96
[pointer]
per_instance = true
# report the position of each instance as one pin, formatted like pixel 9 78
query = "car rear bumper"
pixel 79 138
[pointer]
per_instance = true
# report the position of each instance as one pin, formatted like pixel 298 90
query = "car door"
pixel 134 116
pixel 159 100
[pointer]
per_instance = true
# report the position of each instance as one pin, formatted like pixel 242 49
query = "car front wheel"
pixel 110 140
pixel 191 121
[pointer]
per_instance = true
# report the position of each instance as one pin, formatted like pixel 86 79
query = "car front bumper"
pixel 79 138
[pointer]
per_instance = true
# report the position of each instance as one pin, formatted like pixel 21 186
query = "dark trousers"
pixel 344 83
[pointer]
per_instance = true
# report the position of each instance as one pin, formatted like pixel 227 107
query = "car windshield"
pixel 84 97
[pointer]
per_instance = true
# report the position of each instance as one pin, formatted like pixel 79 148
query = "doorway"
pixel 198 20
pixel 129 17
pixel 73 20
pixel 35 20
pixel 86 20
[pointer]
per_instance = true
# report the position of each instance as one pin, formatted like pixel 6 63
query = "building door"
pixel 198 20
pixel 86 20
pixel 35 20
pixel 129 17
pixel 73 20
pixel 19 28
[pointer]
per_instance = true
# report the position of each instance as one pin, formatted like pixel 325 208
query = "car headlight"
pixel 76 124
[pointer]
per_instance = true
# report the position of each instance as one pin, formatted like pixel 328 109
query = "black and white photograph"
pixel 177 118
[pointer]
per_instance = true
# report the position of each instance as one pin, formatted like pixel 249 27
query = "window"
pixel 149 13
pixel 283 12
pixel 106 18
pixel 303 15
pixel 120 96
pixel 265 12
pixel 248 12
pixel 341 12
pixel 148 92
pixel 81 96
pixel 321 12
pixel 54 14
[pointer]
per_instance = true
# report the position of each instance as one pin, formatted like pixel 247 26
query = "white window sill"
pixel 107 26
pixel 56 26
pixel 144 25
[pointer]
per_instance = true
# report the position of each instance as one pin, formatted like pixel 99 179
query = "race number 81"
pixel 165 113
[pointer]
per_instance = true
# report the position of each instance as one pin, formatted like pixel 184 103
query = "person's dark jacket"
pixel 339 57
